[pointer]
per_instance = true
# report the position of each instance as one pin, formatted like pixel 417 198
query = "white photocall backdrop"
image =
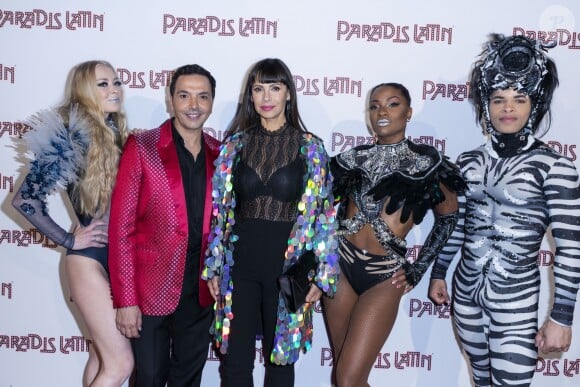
pixel 337 50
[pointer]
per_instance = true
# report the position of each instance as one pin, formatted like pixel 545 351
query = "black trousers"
pixel 173 349
pixel 259 259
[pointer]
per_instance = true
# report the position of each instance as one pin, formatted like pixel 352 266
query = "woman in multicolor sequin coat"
pixel 272 202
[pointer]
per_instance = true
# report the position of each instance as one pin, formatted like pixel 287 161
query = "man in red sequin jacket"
pixel 160 219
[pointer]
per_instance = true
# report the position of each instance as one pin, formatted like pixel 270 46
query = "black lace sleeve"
pixel 29 203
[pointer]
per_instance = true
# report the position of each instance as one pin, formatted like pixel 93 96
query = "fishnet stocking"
pixel 358 327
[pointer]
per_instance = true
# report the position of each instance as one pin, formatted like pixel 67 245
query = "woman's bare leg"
pixel 337 313
pixel 371 321
pixel 90 291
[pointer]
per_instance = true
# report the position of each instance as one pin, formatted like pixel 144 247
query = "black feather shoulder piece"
pixel 344 180
pixel 409 174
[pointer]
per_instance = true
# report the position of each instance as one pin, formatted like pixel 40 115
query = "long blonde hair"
pixel 93 191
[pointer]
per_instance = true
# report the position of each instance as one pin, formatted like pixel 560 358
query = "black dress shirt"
pixel 193 177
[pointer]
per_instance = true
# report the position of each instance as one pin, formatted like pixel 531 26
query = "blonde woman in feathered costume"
pixel 76 147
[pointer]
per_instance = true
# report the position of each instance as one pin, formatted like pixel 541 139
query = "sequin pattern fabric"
pixel 314 229
pixel 148 225
pixel 378 162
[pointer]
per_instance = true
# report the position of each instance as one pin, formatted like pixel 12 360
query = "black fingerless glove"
pixel 440 233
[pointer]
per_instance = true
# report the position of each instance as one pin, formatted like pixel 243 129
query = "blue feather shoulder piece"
pixel 57 152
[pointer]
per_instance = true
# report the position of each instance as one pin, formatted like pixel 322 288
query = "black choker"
pixel 506 145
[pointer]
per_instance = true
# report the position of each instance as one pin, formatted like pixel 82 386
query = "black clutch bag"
pixel 295 282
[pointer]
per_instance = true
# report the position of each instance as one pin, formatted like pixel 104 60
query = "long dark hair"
pixel 269 70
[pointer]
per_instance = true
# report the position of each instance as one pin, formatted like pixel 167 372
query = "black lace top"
pixel 268 179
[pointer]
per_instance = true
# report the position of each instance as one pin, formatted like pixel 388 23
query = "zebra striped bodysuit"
pixel 509 204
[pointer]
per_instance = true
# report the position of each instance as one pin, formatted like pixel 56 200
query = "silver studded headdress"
pixel 514 62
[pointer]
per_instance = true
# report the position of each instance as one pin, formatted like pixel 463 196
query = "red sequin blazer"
pixel 148 229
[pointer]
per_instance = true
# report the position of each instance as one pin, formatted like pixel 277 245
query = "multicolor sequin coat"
pixel 314 229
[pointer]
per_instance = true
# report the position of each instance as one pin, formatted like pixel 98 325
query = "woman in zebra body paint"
pixel 517 186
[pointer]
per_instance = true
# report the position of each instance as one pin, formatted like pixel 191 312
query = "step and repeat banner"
pixel 337 51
